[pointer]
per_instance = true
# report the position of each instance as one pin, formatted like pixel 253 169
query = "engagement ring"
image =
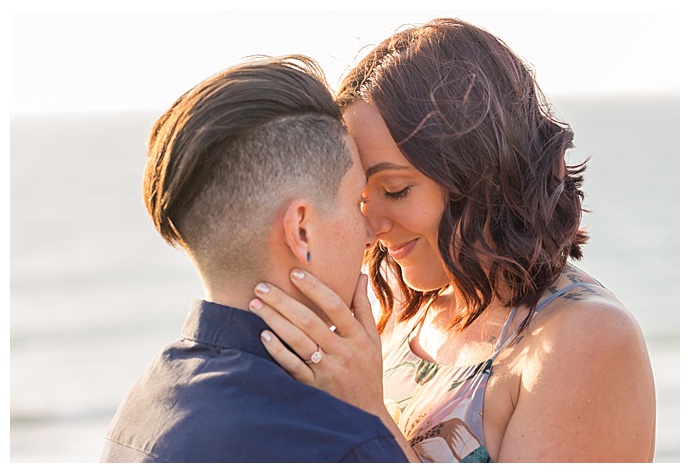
pixel 315 357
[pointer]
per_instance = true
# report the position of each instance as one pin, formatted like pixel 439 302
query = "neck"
pixel 231 297
pixel 450 303
pixel 237 291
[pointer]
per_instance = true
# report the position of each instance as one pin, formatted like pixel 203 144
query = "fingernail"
pixel 297 274
pixel 266 336
pixel 262 288
pixel 255 304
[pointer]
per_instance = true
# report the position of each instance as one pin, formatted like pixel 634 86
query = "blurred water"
pixel 95 292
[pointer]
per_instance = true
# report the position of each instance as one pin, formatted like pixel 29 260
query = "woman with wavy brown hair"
pixel 495 347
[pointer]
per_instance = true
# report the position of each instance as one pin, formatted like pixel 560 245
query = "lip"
pixel 401 251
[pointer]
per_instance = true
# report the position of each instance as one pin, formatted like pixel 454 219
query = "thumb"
pixel 361 307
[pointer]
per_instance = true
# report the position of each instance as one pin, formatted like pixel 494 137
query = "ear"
pixel 297 225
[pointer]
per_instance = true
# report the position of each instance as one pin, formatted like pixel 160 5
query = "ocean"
pixel 95 293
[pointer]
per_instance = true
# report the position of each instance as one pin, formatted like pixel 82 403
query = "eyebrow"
pixel 385 166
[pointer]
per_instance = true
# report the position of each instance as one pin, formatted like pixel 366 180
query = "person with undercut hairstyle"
pixel 250 173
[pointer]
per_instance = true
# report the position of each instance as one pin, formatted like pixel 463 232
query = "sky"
pixel 136 56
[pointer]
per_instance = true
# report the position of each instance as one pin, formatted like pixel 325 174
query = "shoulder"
pixel 584 317
pixel 585 389
pixel 595 344
pixel 584 330
pixel 586 337
pixel 231 405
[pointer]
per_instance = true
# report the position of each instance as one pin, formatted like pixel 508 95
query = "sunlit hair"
pixel 228 153
pixel 467 113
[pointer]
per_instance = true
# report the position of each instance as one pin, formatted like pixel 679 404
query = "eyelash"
pixel 398 195
pixel 390 195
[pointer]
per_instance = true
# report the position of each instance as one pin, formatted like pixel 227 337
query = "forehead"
pixel 374 141
pixel 355 175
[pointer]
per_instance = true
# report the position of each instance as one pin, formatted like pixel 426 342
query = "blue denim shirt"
pixel 216 395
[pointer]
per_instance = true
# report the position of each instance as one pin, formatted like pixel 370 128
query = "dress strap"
pixel 416 322
pixel 504 332
pixel 421 315
pixel 562 291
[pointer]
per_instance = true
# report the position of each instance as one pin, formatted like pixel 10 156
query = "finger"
pixel 286 310
pixel 287 359
pixel 293 336
pixel 330 303
pixel 361 306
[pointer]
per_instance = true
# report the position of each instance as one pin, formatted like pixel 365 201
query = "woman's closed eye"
pixel 397 195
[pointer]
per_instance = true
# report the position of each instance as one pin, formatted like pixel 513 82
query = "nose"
pixel 377 223
pixel 370 234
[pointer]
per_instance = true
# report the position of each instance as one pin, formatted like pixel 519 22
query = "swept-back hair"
pixel 231 148
pixel 467 113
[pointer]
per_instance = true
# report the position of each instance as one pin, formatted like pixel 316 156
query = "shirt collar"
pixel 225 327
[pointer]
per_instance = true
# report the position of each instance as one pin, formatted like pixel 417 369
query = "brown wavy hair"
pixel 468 113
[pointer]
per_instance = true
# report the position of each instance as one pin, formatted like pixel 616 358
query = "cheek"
pixel 353 236
pixel 342 269
pixel 421 218
pixel 431 218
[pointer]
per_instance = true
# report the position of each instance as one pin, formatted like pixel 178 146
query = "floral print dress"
pixel 439 408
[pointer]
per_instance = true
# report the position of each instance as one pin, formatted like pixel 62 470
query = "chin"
pixel 424 282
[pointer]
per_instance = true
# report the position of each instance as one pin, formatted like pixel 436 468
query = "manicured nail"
pixel 262 288
pixel 266 336
pixel 255 304
pixel 297 274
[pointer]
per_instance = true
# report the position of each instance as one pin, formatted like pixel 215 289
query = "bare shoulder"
pixel 592 341
pixel 585 369
pixel 586 315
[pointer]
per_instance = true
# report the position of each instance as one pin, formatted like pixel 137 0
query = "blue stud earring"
pixel 308 256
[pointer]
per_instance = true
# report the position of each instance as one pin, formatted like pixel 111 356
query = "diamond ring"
pixel 315 357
